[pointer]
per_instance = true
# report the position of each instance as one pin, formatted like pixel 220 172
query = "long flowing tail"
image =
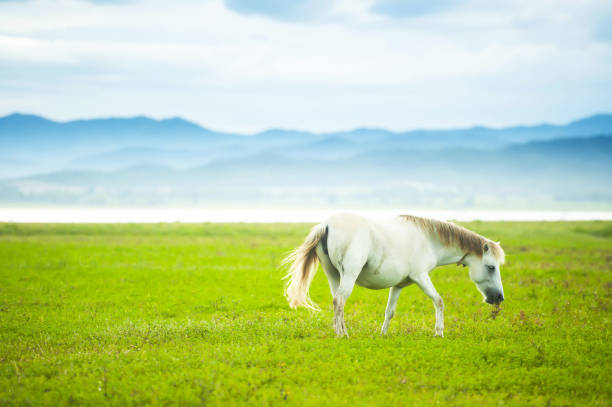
pixel 303 265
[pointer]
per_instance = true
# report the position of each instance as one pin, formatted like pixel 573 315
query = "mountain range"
pixel 142 161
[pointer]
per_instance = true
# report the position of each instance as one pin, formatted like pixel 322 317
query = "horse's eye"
pixel 491 268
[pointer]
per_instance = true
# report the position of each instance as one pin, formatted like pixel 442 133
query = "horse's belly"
pixel 379 278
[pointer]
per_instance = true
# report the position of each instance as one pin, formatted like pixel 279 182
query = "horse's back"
pixel 347 222
pixel 390 235
pixel 347 231
pixel 387 250
pixel 401 246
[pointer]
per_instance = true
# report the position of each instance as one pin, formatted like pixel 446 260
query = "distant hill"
pixel 43 145
pixel 21 132
pixel 142 161
pixel 559 172
pixel 35 144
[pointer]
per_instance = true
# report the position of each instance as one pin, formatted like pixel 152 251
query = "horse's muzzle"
pixel 494 298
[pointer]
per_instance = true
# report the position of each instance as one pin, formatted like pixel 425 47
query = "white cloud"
pixel 473 63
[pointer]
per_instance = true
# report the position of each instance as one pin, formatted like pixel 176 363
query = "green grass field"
pixel 194 314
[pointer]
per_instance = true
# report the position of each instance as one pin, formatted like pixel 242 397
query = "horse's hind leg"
pixel 349 263
pixel 349 271
pixel 339 296
pixel 345 288
pixel 394 294
pixel 333 277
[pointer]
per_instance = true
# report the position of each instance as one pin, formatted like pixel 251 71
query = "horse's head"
pixel 484 272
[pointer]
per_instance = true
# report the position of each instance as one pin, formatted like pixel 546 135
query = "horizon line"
pixel 286 129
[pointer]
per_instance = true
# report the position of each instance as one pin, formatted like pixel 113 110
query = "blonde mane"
pixel 452 235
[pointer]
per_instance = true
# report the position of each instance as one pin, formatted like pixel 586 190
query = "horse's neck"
pixel 447 255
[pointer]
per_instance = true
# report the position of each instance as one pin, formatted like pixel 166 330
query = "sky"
pixel 319 65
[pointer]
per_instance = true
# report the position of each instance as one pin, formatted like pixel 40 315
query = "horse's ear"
pixel 485 248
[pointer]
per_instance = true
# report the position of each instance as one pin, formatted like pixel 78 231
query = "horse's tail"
pixel 303 265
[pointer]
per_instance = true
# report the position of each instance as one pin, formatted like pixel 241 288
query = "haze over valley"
pixel 145 162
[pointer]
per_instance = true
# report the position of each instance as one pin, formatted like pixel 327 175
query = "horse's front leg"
pixel 424 282
pixel 394 294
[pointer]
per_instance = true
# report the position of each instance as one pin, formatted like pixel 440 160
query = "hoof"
pixel 342 334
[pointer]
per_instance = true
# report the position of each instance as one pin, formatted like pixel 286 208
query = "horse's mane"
pixel 457 236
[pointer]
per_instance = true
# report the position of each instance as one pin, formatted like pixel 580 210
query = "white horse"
pixel 395 253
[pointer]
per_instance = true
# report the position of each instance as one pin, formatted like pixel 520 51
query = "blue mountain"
pixel 142 161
